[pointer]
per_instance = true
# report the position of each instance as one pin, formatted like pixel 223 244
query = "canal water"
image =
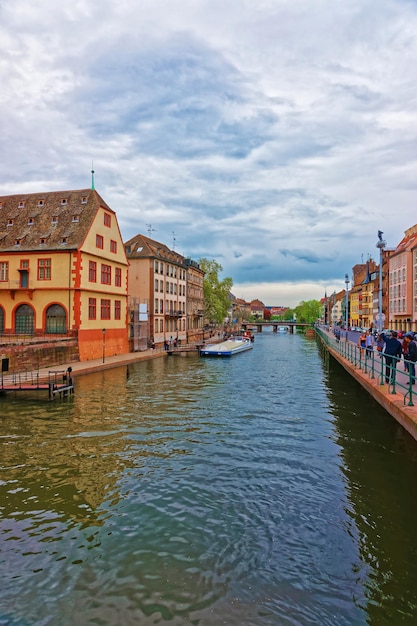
pixel 265 489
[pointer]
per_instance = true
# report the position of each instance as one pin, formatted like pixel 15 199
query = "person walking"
pixel 369 342
pixel 411 356
pixel 392 353
pixel 362 342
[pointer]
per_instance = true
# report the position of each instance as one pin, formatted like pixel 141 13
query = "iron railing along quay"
pixel 374 365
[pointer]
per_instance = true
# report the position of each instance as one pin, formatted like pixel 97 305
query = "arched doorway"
pixel 1 320
pixel 56 320
pixel 24 320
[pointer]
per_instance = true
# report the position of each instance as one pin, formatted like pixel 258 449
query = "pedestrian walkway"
pixel 398 399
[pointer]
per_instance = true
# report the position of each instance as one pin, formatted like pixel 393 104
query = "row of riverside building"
pixel 66 272
pixel 364 298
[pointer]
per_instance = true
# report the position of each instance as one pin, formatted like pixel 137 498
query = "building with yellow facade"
pixel 63 270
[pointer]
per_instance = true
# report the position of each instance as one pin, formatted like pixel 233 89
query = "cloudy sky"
pixel 274 136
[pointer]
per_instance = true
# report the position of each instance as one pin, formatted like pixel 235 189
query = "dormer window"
pixel 41 203
pixel 75 218
pixel 42 241
pixel 10 222
pixel 30 221
pixel 21 205
pixel 84 200
pixel 54 219
pixel 64 201
pixel 17 242
pixel 64 240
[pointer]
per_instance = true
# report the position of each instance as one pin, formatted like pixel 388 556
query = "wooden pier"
pixel 59 383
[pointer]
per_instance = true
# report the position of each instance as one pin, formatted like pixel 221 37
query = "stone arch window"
pixel 1 320
pixel 24 320
pixel 56 320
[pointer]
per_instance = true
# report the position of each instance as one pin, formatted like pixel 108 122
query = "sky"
pixel 275 137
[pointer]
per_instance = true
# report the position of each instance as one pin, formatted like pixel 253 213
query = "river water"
pixel 258 490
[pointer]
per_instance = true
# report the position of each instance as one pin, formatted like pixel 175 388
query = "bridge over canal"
pixel 259 326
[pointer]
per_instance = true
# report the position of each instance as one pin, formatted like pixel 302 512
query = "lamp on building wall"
pixel 104 344
pixel 381 245
pixel 347 304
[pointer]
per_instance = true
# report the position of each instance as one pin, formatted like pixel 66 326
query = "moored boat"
pixel 229 347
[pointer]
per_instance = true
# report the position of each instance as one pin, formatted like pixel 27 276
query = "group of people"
pixel 389 345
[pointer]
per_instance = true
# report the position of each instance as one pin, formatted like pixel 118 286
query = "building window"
pixel 117 309
pixel 21 205
pixel 107 220
pixel 41 202
pixel 92 271
pixel 99 242
pixel 156 305
pixel 156 284
pixel 84 200
pixel 10 222
pixel 30 221
pixel 118 277
pixel 4 271
pixel 44 269
pixel 113 246
pixel 54 219
pixel 105 309
pixel 64 201
pixel 105 274
pixel 76 218
pixel 92 308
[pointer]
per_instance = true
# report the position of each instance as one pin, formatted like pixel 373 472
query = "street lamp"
pixel 104 343
pixel 381 245
pixel 347 304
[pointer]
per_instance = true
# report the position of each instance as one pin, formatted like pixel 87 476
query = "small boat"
pixel 229 347
pixel 248 334
pixel 283 329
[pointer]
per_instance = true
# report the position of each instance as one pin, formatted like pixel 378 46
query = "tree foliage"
pixel 216 292
pixel 308 312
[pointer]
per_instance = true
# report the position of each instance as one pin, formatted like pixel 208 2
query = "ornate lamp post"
pixel 381 245
pixel 347 304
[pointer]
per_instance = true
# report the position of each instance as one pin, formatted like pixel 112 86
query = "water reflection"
pixel 245 491
pixel 380 466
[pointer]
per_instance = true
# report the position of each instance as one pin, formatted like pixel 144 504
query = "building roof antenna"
pixel 150 230
pixel 173 240
pixel 92 175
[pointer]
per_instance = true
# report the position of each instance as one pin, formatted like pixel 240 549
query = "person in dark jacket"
pixel 392 353
pixel 411 356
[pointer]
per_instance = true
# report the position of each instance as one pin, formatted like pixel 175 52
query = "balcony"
pixel 16 285
pixel 174 313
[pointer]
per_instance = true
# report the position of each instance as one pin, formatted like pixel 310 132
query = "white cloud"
pixel 276 137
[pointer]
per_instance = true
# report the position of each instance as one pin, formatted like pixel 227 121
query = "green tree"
pixel 216 292
pixel 308 312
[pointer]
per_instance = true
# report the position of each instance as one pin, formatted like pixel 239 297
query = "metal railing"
pixel 373 363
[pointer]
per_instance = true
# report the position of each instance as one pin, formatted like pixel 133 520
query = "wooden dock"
pixel 58 383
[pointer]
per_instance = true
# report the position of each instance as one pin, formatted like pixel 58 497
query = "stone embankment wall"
pixel 32 356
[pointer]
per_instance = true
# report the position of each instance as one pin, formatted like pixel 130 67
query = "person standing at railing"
pixel 392 353
pixel 411 356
